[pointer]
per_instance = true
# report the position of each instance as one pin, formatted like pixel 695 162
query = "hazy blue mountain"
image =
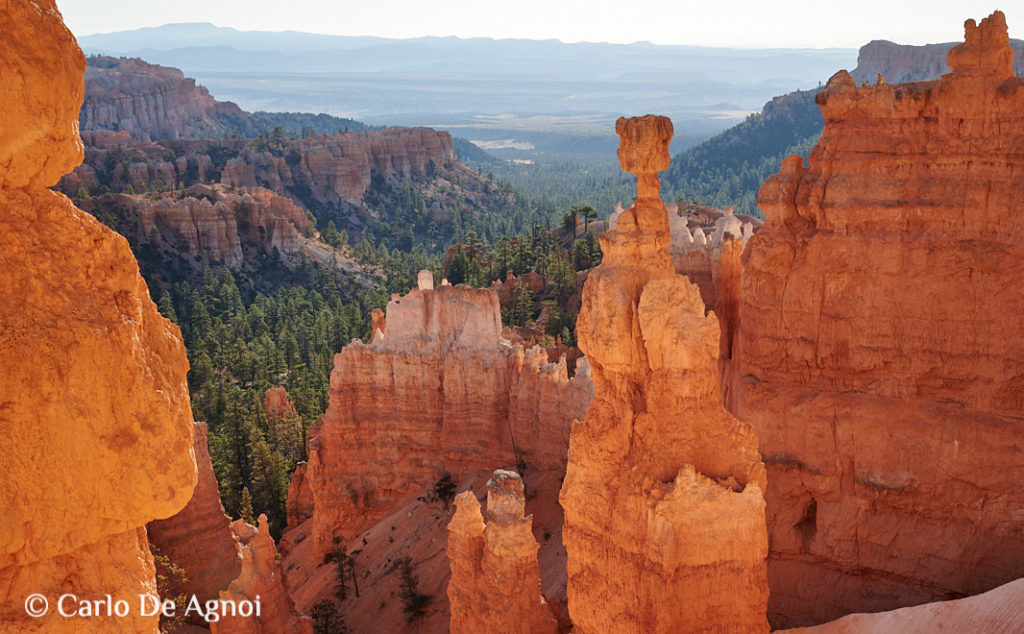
pixel 521 98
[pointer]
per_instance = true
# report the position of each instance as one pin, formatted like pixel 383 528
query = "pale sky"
pixel 745 23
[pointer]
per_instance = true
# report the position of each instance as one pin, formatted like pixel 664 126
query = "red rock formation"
pixel 96 427
pixel 329 170
pixel 998 610
pixel 879 354
pixel 221 232
pixel 339 167
pixel 199 538
pixel 261 580
pixel 495 582
pixel 664 516
pixel 300 499
pixel 152 102
pixel 439 392
pixel 276 404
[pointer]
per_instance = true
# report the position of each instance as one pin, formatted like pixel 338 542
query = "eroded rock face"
pixel 879 354
pixel 664 515
pixel 438 391
pixel 495 582
pixel 904 62
pixel 261 578
pixel 149 102
pixel 96 427
pixel 222 232
pixel 198 538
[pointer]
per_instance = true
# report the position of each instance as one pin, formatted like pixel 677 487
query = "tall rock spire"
pixel 664 513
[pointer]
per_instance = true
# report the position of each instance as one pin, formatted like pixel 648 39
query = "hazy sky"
pixel 754 23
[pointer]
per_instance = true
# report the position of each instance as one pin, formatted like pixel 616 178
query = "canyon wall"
pixel 438 391
pixel 261 579
pixel 320 169
pixel 198 538
pixel 96 428
pixel 664 514
pixel 905 62
pixel 879 354
pixel 206 225
pixel 495 583
pixel 150 102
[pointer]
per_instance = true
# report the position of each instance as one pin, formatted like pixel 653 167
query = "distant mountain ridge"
pixel 540 94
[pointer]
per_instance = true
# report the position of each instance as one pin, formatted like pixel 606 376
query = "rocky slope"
pixel 664 514
pixel 879 350
pixel 998 610
pixel 151 102
pixel 97 430
pixel 495 582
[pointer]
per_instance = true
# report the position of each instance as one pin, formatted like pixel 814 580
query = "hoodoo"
pixel 439 391
pixel 664 514
pixel 95 426
pixel 495 584
pixel 879 354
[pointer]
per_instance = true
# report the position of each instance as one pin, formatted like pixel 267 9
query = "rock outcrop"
pixel 95 428
pixel 495 582
pixel 439 391
pixel 900 63
pixel 325 170
pixel 261 580
pixel 198 538
pixel 150 102
pixel 207 226
pixel 879 354
pixel 664 514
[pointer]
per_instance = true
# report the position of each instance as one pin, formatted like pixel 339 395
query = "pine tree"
pixel 246 509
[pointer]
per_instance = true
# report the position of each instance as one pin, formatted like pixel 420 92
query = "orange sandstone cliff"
pixel 437 397
pixel 664 514
pixel 437 392
pixel 495 583
pixel 261 579
pixel 198 538
pixel 95 426
pixel 879 354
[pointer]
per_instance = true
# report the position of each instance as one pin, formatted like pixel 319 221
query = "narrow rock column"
pixel 664 513
pixel 495 584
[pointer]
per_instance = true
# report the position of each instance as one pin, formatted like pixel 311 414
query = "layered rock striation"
pixel 320 170
pixel 209 226
pixel 438 391
pixel 664 514
pixel 95 428
pixel 495 582
pixel 879 353
pixel 150 102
